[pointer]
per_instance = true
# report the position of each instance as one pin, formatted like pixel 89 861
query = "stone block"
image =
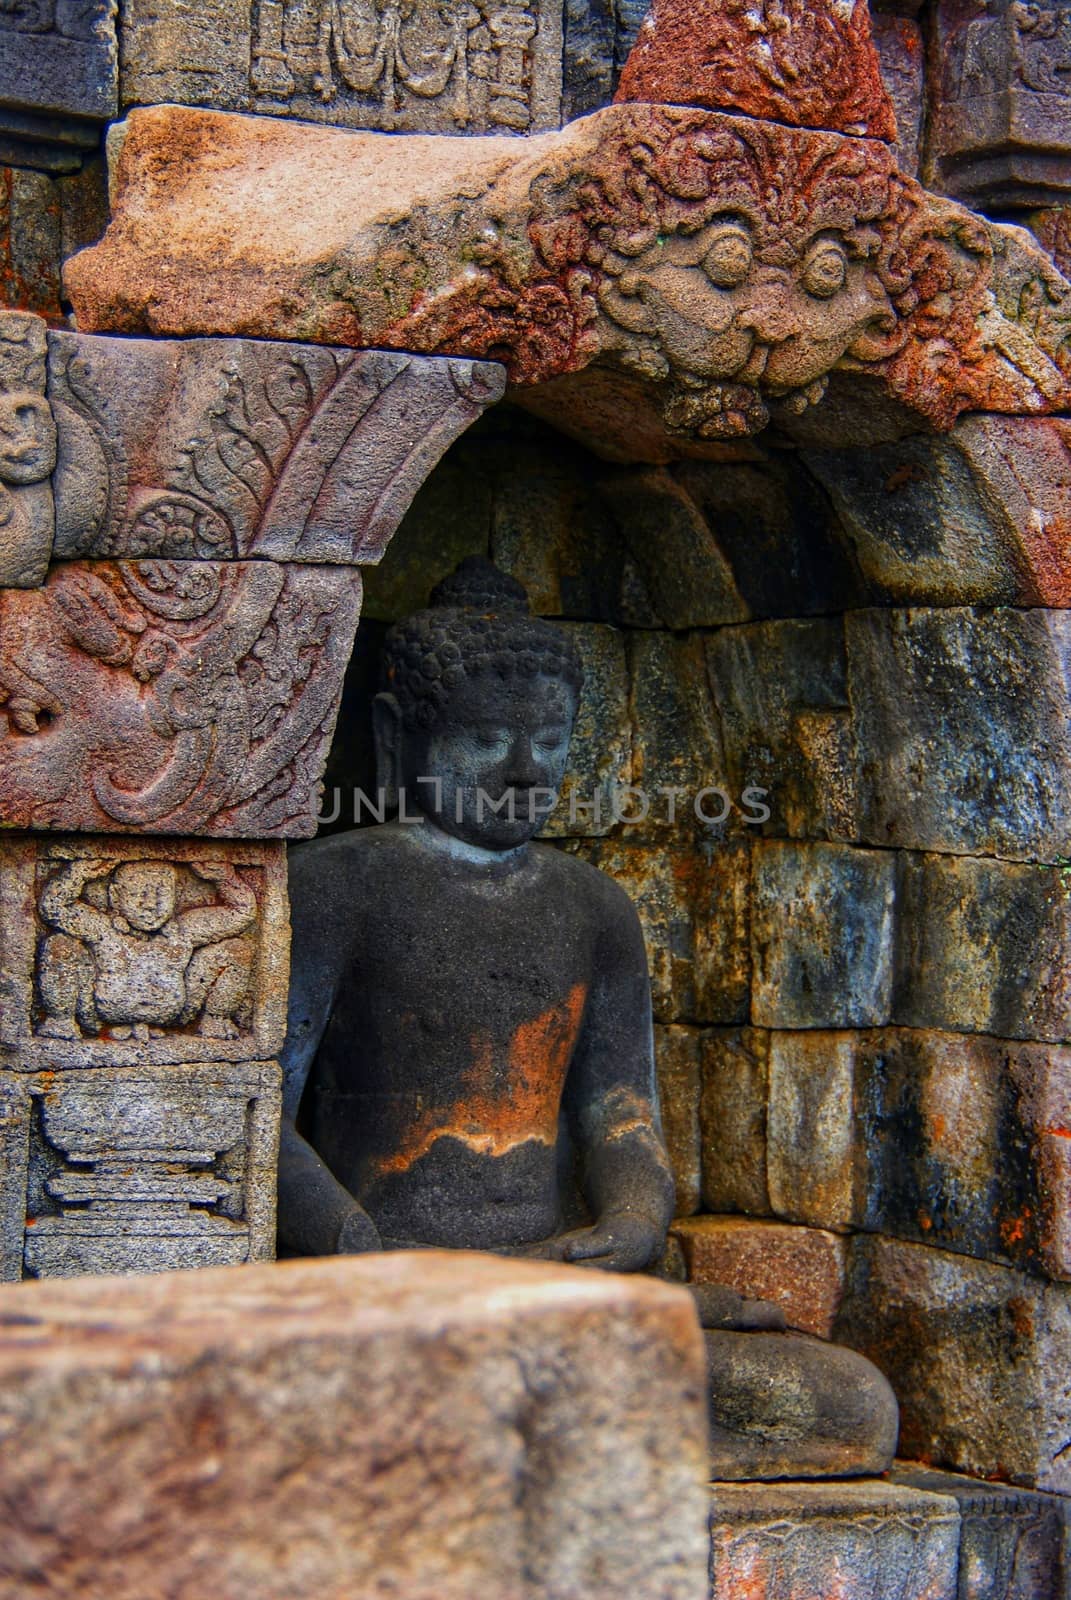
pixel 812 1151
pixel 975 1353
pixel 655 315
pixel 801 1542
pixel 922 523
pixel 964 1145
pixel 533 1430
pixel 685 573
pixel 172 696
pixel 984 947
pixel 800 1269
pixel 958 722
pixel 124 952
pixel 676 738
pixel 693 905
pixel 782 695
pixel 600 756
pixel 1011 1544
pixel 732 1119
pixel 812 64
pixel 1000 103
pixel 30 242
pixel 228 448
pixel 550 526
pixel 27 454
pixel 789 554
pixel 137 1169
pixel 902 59
pixel 493 70
pixel 58 80
pixel 677 1064
pixel 822 935
pixel 1022 468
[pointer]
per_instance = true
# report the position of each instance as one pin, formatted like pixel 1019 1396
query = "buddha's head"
pixel 477 709
pixel 143 892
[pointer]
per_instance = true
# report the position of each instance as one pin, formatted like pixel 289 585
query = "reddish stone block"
pixel 800 1269
pixel 808 63
pixel 426 1424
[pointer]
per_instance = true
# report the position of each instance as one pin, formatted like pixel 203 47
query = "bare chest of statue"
pixel 436 1092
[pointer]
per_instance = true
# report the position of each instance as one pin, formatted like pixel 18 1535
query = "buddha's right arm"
pixel 317 1215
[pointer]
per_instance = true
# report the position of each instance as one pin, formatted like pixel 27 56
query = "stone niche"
pixel 859 998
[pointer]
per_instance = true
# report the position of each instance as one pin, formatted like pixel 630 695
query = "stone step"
pixel 918 1535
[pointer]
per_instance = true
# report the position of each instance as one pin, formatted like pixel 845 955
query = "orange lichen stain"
pixel 1058 1133
pixel 939 1128
pixel 1013 1230
pixel 503 1102
pixel 925 1222
pixel 1022 1316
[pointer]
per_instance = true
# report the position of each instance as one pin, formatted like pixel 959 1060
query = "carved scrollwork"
pixel 172 696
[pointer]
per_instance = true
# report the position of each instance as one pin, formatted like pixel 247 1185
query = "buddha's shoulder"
pixel 342 858
pixel 602 895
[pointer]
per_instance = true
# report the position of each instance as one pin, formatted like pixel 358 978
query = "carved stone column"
pixel 187 522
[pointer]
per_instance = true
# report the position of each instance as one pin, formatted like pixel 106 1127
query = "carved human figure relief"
pixel 130 960
pixel 121 952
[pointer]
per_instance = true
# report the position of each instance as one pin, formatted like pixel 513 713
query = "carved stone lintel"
pixel 226 448
pixel 137 1169
pixel 728 265
pixel 170 696
pixel 130 952
pixel 27 452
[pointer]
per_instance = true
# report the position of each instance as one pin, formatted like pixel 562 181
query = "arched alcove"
pixel 857 997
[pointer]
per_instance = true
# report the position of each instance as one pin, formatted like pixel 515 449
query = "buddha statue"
pixel 469 1059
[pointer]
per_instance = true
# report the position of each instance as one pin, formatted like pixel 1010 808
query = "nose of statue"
pixel 523 771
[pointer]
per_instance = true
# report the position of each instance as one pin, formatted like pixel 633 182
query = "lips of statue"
pixel 491 764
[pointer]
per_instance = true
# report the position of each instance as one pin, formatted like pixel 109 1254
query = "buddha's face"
pixel 144 893
pixel 494 761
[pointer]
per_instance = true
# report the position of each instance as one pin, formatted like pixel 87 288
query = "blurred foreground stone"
pixel 426 1424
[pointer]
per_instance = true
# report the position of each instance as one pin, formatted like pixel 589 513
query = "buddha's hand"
pixel 621 1241
pixel 357 1235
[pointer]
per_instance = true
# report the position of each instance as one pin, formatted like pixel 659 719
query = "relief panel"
pixel 123 952
pixel 225 448
pixel 1001 107
pixel 170 696
pixel 137 1169
pixel 463 66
